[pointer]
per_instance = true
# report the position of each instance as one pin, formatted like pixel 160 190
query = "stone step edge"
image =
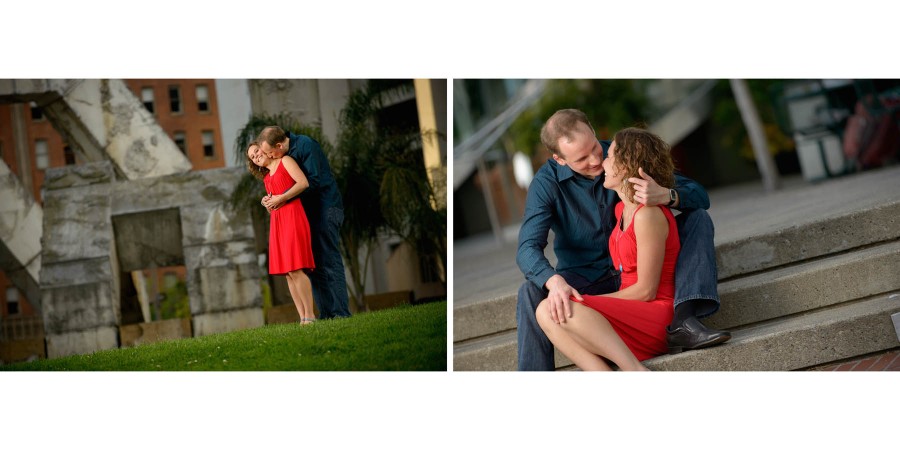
pixel 802 242
pixel 506 342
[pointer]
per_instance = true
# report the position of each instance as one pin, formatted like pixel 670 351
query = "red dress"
pixel 290 247
pixel 641 325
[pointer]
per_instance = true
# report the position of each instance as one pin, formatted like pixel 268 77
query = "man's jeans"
pixel 328 281
pixel 696 278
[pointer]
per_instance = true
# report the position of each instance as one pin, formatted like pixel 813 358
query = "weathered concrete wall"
pixel 81 260
pixel 78 295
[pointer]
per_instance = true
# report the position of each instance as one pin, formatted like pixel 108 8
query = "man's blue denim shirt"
pixel 581 213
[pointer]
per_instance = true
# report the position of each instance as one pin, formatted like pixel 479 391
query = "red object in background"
pixel 872 137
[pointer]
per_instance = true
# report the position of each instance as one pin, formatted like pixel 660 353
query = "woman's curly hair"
pixel 258 172
pixel 639 148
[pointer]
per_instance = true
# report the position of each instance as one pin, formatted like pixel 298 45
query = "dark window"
pixel 147 98
pixel 70 155
pixel 37 113
pixel 178 137
pixel 202 98
pixel 208 148
pixel 175 99
pixel 12 300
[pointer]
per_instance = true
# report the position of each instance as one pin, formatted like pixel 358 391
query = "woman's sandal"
pixel 307 320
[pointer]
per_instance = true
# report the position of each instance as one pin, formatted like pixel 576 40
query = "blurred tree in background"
pixel 609 105
pixel 728 131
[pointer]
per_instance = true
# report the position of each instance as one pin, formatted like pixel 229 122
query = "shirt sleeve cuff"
pixel 541 278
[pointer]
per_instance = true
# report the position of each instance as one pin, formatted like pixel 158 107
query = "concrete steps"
pixel 795 295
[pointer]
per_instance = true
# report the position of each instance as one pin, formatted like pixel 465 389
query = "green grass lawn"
pixel 402 338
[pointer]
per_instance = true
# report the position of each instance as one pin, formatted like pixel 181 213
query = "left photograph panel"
pixel 223 225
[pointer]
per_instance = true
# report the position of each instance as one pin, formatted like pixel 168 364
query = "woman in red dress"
pixel 629 325
pixel 290 247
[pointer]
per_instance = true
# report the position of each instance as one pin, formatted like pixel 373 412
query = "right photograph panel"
pixel 676 225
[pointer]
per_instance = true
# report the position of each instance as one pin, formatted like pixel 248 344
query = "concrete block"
pixel 77 224
pixel 205 224
pixel 223 288
pixel 191 189
pixel 148 332
pixel 79 175
pixel 79 307
pixel 82 342
pixel 221 322
pixel 222 254
pixel 68 273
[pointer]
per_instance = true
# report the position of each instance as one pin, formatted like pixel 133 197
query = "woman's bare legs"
pixel 586 335
pixel 301 293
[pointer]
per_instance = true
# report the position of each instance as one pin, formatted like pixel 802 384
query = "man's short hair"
pixel 562 124
pixel 272 135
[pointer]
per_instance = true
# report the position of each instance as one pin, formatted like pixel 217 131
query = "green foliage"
pixel 729 130
pixel 381 175
pixel 402 338
pixel 609 104
pixel 175 304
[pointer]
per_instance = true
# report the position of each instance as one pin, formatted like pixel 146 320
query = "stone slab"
pixel 69 273
pixel 82 342
pixel 808 286
pixel 79 307
pixel 148 332
pixel 86 174
pixel 809 240
pixel 896 319
pixel 221 322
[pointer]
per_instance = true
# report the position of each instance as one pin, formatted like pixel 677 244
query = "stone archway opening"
pixel 153 298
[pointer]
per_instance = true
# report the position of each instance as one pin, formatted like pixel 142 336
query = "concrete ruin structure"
pixel 98 226
pixel 103 122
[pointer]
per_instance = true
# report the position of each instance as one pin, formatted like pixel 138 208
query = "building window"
pixel 70 155
pixel 202 98
pixel 178 137
pixel 208 148
pixel 147 98
pixel 41 154
pixel 37 113
pixel 175 99
pixel 12 300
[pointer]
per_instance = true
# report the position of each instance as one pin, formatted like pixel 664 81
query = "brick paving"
pixel 889 361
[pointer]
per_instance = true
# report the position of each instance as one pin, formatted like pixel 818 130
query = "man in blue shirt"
pixel 325 212
pixel 568 197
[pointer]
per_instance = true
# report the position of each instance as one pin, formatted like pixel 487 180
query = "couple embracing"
pixel 631 278
pixel 305 217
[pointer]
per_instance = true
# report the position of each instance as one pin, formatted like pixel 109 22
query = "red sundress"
pixel 290 247
pixel 641 325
